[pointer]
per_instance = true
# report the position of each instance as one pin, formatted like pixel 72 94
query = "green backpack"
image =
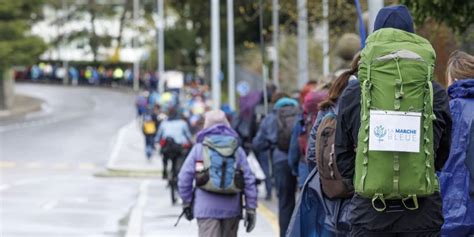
pixel 395 157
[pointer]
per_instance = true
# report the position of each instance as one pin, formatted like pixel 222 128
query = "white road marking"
pixel 33 165
pixel 118 144
pixel 86 166
pixel 4 187
pixel 49 205
pixel 134 228
pixel 7 164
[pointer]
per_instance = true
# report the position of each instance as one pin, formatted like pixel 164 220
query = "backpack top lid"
pixel 390 40
pixel 223 144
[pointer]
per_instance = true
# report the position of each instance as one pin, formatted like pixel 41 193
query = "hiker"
pixel 218 208
pixel 141 103
pixel 457 175
pixel 245 124
pixel 149 130
pixel 300 135
pixel 392 167
pixel 175 128
pixel 273 137
pixel 315 213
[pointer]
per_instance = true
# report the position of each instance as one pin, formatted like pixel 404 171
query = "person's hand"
pixel 250 219
pixel 188 211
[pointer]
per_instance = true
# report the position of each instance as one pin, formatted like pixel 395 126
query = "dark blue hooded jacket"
pixel 457 175
pixel 397 17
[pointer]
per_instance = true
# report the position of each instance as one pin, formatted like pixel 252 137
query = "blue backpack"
pixel 220 170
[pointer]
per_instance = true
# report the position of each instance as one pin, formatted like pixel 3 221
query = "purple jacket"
pixel 211 205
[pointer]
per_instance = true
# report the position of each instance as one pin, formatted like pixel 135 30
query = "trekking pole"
pixel 262 52
pixel 179 218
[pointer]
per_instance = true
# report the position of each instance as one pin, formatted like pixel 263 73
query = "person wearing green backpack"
pixel 393 132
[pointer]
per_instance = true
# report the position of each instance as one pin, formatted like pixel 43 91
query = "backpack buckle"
pixel 410 202
pixel 378 202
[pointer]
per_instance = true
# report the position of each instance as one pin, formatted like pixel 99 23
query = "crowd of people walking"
pixel 381 150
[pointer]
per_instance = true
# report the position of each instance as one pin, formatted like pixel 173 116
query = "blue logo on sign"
pixel 380 132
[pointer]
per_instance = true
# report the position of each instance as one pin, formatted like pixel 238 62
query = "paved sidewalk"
pixel 128 152
pixel 22 105
pixel 153 215
pixel 159 217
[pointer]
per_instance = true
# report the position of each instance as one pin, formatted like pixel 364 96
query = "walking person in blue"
pixel 300 135
pixel 274 136
pixel 457 175
pixel 315 215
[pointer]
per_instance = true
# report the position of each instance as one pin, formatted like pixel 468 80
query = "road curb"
pixel 135 223
pixel 22 105
pixel 271 217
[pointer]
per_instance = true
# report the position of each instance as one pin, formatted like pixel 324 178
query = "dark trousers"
pixel 285 184
pixel 150 145
pixel 357 231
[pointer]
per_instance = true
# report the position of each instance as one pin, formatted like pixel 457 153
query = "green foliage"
pixel 250 59
pixel 17 46
pixel 457 14
pixel 180 52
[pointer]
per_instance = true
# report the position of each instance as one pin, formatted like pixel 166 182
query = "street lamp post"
pixel 302 43
pixel 325 38
pixel 65 62
pixel 374 7
pixel 230 53
pixel 136 64
pixel 161 45
pixel 215 55
pixel 276 61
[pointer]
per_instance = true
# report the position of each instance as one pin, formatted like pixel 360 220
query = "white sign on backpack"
pixel 394 131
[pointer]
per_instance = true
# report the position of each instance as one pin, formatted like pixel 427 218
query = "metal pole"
pixel 276 26
pixel 230 53
pixel 262 52
pixel 215 55
pixel 161 45
pixel 374 8
pixel 302 43
pixel 136 64
pixel 65 62
pixel 325 38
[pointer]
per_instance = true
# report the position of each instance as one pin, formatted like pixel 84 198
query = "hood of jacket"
pixel 285 102
pixel 218 129
pixel 462 89
pixel 312 100
pixel 397 17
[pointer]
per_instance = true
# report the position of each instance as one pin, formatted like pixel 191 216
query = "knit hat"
pixel 214 117
pixel 397 17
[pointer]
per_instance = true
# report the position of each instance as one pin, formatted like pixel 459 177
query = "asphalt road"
pixel 47 162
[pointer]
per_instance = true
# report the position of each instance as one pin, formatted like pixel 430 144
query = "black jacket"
pixel 428 216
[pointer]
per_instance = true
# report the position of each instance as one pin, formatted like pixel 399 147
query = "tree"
pixel 17 45
pixel 456 14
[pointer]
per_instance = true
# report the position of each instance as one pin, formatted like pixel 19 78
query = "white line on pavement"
pixel 4 187
pixel 118 144
pixel 134 228
pixel 49 205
